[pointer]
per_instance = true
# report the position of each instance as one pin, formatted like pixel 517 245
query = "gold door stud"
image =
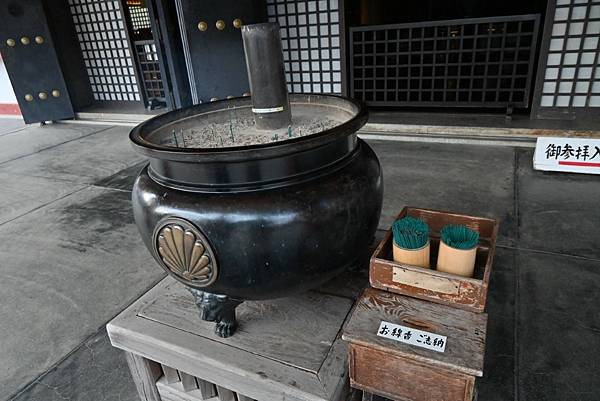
pixel 202 26
pixel 237 23
pixel 39 40
pixel 43 95
pixel 25 40
pixel 11 42
pixel 29 97
pixel 220 24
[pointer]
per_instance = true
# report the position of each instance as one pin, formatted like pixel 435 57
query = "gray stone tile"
pixel 84 160
pixel 558 212
pixel 21 194
pixel 34 138
pixel 10 125
pixel 470 179
pixel 66 269
pixel 558 328
pixel 497 383
pixel 123 179
pixel 94 372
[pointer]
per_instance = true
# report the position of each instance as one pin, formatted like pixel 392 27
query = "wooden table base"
pixel 288 349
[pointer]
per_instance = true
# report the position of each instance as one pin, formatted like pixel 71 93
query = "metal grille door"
pixel 150 69
pixel 482 62
pixel 137 15
pixel 102 36
pixel 311 42
pixel 140 17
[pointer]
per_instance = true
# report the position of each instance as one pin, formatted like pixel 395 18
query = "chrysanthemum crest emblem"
pixel 185 252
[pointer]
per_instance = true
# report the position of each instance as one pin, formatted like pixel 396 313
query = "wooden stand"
pixel 286 349
pixel 400 371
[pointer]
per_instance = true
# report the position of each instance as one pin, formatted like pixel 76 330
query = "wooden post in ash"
pixel 264 60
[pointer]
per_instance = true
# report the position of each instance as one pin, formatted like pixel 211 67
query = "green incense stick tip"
pixel 459 236
pixel 410 233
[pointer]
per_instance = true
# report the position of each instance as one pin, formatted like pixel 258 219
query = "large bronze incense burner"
pixel 256 197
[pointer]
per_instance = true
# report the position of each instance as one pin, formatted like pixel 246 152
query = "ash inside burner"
pixel 240 130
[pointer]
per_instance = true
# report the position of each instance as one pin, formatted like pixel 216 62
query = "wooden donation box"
pixel 413 350
pixel 469 293
pixel 285 349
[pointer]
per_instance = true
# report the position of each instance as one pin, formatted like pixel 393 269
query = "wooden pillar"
pixel 145 373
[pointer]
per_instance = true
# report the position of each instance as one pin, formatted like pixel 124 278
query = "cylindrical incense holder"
pixel 264 61
pixel 415 257
pixel 456 261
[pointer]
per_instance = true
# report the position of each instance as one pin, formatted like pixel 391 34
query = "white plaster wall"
pixel 6 91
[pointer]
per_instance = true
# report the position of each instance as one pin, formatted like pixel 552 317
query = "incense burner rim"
pixel 151 149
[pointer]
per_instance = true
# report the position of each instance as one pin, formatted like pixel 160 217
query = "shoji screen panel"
pixel 569 73
pixel 108 59
pixel 311 35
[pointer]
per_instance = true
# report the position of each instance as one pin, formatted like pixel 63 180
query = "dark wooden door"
pixel 213 45
pixel 31 61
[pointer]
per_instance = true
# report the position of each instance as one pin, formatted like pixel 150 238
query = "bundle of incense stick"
pixel 410 233
pixel 459 236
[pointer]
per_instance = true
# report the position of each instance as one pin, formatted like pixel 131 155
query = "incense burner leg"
pixel 219 309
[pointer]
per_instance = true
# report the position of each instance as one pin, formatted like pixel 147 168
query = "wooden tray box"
pixel 402 372
pixel 429 284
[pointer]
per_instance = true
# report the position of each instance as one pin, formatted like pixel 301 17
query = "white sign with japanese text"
pixel 575 155
pixel 408 335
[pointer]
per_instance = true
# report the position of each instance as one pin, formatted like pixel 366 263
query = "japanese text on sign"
pixel 568 151
pixel 408 335
pixel 578 155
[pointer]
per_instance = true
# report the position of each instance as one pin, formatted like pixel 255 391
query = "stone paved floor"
pixel 71 259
